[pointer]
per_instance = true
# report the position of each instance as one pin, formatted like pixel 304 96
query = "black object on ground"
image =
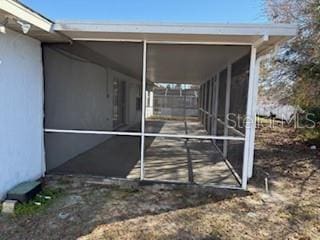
pixel 23 192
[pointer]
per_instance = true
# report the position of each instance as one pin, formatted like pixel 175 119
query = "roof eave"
pixel 26 14
pixel 166 28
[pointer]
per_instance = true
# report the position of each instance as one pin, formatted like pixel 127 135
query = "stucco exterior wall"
pixel 75 98
pixel 21 110
pixel 79 95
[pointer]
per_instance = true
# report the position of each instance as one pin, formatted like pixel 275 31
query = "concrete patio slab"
pixel 166 159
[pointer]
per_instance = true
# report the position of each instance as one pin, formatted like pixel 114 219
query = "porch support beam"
pixel 201 102
pixel 227 108
pixel 205 105
pixel 210 105
pixel 143 95
pixel 248 145
pixel 253 109
pixel 215 118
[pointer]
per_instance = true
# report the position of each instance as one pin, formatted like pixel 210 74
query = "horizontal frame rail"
pixel 49 130
pixel 223 123
pixel 200 43
pixel 164 42
pixel 194 136
pixel 213 185
pixel 139 134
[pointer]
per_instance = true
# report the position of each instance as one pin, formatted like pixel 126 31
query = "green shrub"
pixel 45 197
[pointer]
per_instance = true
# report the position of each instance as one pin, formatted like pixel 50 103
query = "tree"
pixel 297 66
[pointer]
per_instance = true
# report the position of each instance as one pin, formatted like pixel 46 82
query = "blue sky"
pixel 216 11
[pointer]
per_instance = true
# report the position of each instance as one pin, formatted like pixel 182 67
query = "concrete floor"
pixel 182 160
pixel 175 127
pixel 166 159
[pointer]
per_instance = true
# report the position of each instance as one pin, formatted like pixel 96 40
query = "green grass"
pixel 31 208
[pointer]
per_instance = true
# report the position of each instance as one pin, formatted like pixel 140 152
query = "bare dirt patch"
pixel 290 211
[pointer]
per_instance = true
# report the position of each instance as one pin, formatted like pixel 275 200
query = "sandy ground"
pixel 290 211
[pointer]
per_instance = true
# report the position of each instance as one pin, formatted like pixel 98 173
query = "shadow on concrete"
pixel 115 157
pixel 166 159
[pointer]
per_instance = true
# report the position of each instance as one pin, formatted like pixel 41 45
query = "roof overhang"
pixel 225 34
pixel 12 12
pixel 24 13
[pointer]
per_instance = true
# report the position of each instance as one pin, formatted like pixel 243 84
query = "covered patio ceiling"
pixel 195 52
pixel 166 63
pixel 189 64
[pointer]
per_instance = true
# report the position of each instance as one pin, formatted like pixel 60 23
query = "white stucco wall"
pixel 79 95
pixel 21 110
pixel 283 112
pixel 76 97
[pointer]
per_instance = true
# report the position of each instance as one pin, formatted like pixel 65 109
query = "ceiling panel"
pixel 166 63
pixel 189 63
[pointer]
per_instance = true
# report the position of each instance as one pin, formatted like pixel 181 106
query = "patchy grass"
pixel 310 136
pixel 92 211
pixel 38 203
